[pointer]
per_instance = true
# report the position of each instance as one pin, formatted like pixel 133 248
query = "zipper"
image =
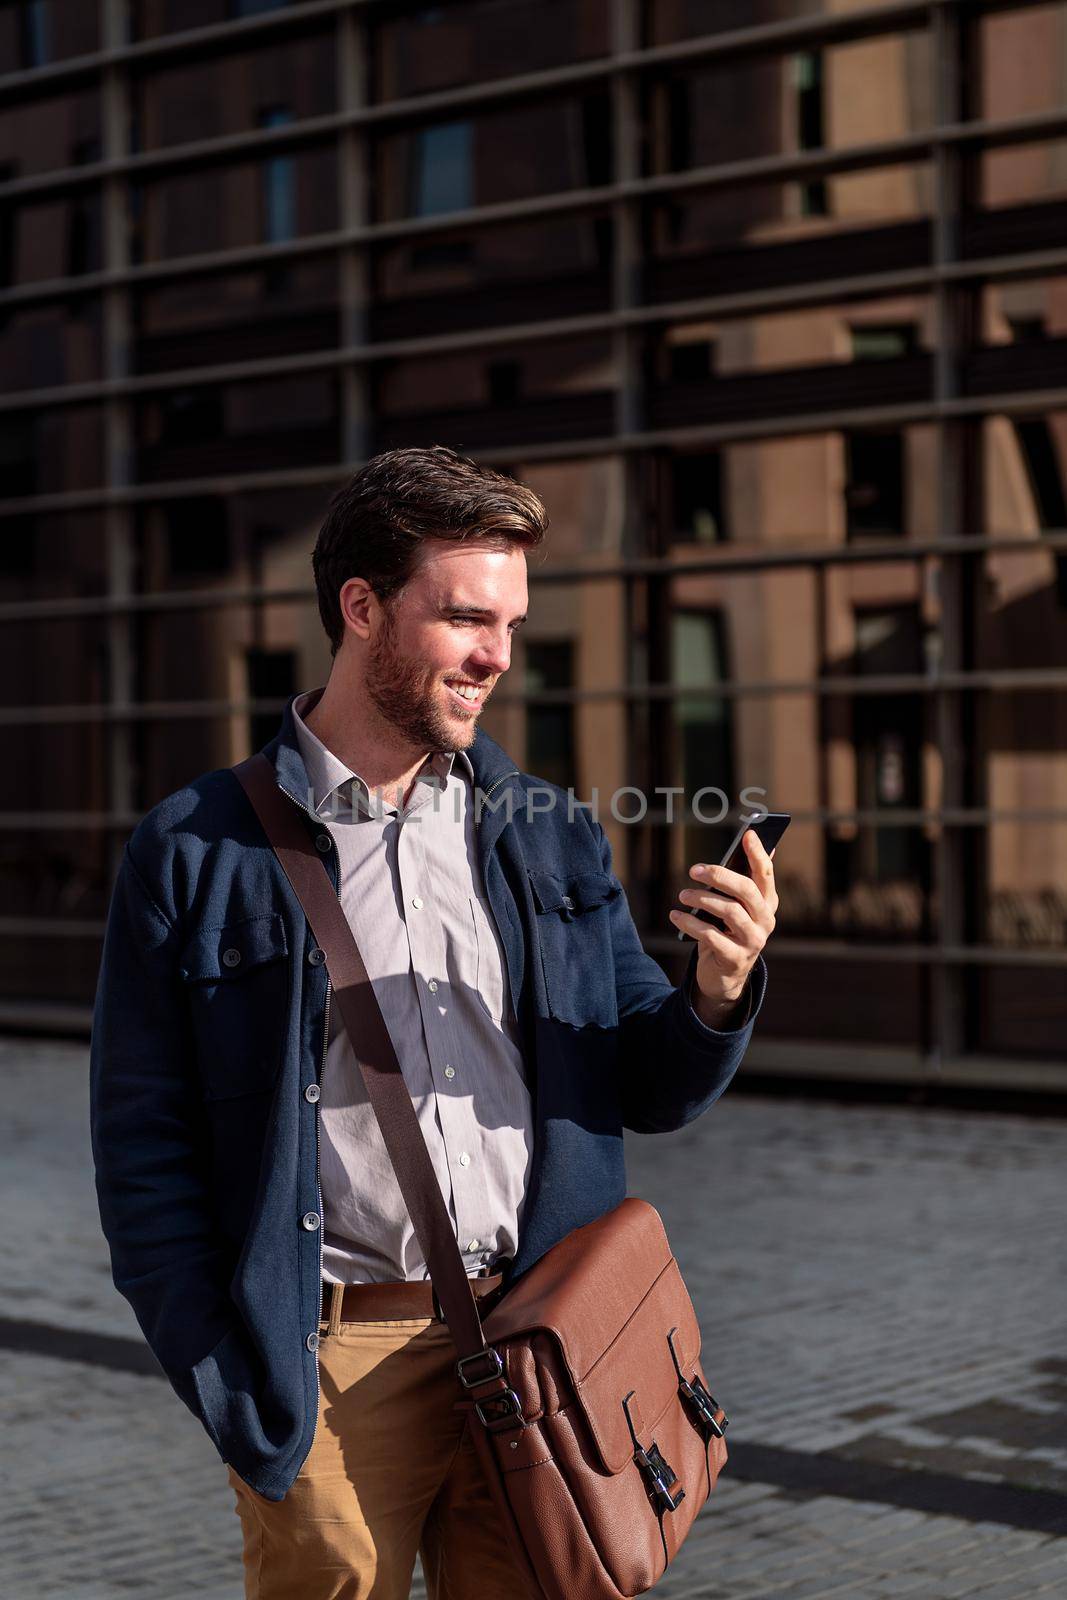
pixel 498 781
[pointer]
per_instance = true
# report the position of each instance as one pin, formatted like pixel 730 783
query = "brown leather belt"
pixel 396 1302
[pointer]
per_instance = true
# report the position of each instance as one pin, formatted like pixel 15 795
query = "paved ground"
pixel 884 1313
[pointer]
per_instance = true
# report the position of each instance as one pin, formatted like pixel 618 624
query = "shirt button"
pixel 416 902
pixel 474 1244
pixel 325 844
pixel 464 1160
pixel 450 1072
pixel 230 958
pixel 568 902
pixel 316 956
pixel 432 986
pixel 312 1341
pixel 310 1220
pixel 312 1093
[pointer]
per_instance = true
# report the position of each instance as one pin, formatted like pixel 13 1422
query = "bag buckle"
pixel 701 1404
pixel 488 1354
pixel 661 1480
pixel 500 1412
pixel 705 1406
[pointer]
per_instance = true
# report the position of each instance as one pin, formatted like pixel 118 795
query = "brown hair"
pixel 377 522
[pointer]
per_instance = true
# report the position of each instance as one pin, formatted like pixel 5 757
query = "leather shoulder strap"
pixel 373 1048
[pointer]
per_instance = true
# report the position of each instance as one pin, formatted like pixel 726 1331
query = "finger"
pixel 734 915
pixel 735 884
pixel 763 872
pixel 759 860
pixel 729 956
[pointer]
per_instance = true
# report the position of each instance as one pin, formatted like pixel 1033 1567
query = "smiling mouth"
pixel 471 697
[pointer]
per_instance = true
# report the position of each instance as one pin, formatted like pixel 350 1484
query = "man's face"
pixel 439 648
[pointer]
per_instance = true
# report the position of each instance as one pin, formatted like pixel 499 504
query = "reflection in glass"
pixel 441 178
pixel 542 147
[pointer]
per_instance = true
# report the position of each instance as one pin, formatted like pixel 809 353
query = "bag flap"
pixel 638 1367
pixel 571 892
pixel 228 952
pixel 609 1293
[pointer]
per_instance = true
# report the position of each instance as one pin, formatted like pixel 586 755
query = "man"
pixel 254 1221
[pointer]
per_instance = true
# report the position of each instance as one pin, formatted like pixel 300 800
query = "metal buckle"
pixel 705 1406
pixel 488 1354
pixel 700 1403
pixel 661 1480
pixel 500 1412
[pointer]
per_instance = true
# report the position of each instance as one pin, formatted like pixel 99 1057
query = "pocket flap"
pixel 228 952
pixel 572 892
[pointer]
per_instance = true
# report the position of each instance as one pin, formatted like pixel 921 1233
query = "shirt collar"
pixel 335 790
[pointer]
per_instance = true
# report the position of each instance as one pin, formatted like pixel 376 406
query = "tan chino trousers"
pixel 390 1474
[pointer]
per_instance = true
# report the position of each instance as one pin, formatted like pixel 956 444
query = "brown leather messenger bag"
pixel 582 1387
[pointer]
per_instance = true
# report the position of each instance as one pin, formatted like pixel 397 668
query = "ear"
pixel 360 606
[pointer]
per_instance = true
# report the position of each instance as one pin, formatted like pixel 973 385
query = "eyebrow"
pixel 475 611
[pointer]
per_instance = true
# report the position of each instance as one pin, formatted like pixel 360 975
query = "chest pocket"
pixel 572 922
pixel 237 982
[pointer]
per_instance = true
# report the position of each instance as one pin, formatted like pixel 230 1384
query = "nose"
pixel 493 653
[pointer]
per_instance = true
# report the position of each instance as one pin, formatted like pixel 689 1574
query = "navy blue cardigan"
pixel 206 1149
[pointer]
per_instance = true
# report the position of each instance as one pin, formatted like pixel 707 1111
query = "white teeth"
pixel 465 691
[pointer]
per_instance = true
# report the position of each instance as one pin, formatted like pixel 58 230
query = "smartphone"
pixel 768 830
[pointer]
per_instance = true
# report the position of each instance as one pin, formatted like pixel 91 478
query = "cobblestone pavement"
pixel 884 1315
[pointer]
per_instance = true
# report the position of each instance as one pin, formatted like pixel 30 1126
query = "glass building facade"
pixel 764 300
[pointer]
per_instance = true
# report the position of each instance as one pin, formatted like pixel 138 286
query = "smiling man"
pixel 254 1221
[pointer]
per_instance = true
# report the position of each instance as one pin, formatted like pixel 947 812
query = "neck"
pixel 349 724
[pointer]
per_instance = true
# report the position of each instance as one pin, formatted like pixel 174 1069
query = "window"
pixel 692 361
pixel 704 722
pixel 874 490
pixel 550 728
pixel 696 498
pixel 679 125
pixel 35 22
pixel 810 131
pixel 1045 472
pixel 888 741
pixel 191 416
pixel 441 178
pixel 198 538
pixel 883 341
pixel 83 233
pixel 279 184
pixel 270 675
pixel 7 236
pixel 18 455
pixel 596 138
pixel 504 378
